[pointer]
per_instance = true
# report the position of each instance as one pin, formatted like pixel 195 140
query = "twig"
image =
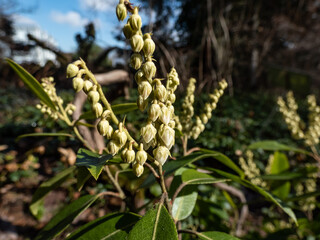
pixel 164 189
pixel 109 193
pixel 178 191
pixel 192 150
pixel 115 183
pixel 152 169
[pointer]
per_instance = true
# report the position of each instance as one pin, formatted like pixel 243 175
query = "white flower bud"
pixel 135 20
pixel 154 111
pixel 97 109
pixel 109 132
pixel 141 156
pixel 130 154
pixel 112 148
pixel 160 92
pixel 161 154
pixel 136 43
pixel 136 61
pixel 106 114
pixel 121 11
pixel 165 115
pixel 144 89
pixel 172 98
pixel 204 118
pixel 149 46
pixel 142 103
pixel 119 136
pixel 93 96
pixel 72 70
pixel 103 127
pixel 148 132
pixel 138 76
pixel 137 169
pixel 127 31
pixel 167 135
pixel 123 154
pixel 77 84
pixel 172 124
pixel 149 69
pixel 87 85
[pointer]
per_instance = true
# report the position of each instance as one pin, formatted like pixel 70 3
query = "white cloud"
pixel 99 5
pixel 72 18
pixel 19 19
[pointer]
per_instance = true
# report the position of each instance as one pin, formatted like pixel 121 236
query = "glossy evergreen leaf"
pixel 82 177
pixel 36 206
pixel 94 162
pixel 215 236
pixel 113 226
pixel 32 83
pixel 157 224
pixel 275 146
pixel 171 166
pixel 192 176
pixel 44 135
pixel 65 217
pixel 280 164
pixel 184 203
pixel 259 190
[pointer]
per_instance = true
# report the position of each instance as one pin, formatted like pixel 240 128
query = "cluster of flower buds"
pixel 81 81
pixel 193 129
pixel 49 87
pixel 158 131
pixel 291 117
pixel 137 159
pixel 313 133
pixel 251 170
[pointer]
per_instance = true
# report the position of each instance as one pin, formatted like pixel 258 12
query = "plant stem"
pixel 164 190
pixel 76 131
pixel 115 183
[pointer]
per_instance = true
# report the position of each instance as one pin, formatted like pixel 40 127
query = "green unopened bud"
pixel 167 135
pixel 112 148
pixel 207 108
pixel 87 85
pixel 202 127
pixel 127 31
pixel 135 20
pixel 138 76
pixel 221 92
pixel 148 132
pixel 93 96
pixel 141 156
pixel 136 43
pixel 148 46
pixel 130 154
pixel 144 89
pixel 77 84
pixel 121 11
pixel 154 111
pixel 214 98
pixel 172 97
pixel 103 127
pixel 142 103
pixel 136 61
pixel 72 70
pixel 97 109
pixel 119 136
pixel 137 169
pixel 161 154
pixel 160 92
pixel 204 118
pixel 165 115
pixel 149 69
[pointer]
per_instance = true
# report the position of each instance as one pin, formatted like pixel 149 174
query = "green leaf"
pixel 82 177
pixel 94 162
pixel 65 217
pixel 184 203
pixel 112 227
pixel 44 135
pixel 215 236
pixel 225 160
pixel 304 196
pixel 155 225
pixel 192 176
pixel 275 146
pixel 284 176
pixel 259 190
pixel 32 83
pixel 280 164
pixel 172 166
pixel 117 109
pixel 36 206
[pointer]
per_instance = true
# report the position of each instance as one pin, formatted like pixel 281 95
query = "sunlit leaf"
pixel 44 135
pixel 275 146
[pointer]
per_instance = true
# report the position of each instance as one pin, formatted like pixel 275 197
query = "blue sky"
pixel 62 19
